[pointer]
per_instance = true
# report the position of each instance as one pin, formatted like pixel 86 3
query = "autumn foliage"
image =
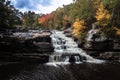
pixel 44 18
pixel 102 15
pixel 78 28
pixel 117 30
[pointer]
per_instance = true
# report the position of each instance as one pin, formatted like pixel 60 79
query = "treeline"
pixel 11 18
pixel 80 14
pixel 87 10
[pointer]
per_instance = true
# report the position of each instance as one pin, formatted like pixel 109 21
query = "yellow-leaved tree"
pixel 103 18
pixel 102 15
pixel 78 28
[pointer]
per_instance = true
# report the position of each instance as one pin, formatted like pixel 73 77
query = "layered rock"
pixel 98 46
pixel 37 46
pixel 43 47
pixel 34 44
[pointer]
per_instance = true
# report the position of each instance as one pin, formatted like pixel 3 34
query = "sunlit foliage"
pixel 117 30
pixel 44 18
pixel 78 28
pixel 102 15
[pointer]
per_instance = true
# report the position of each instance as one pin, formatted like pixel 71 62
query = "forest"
pixel 80 15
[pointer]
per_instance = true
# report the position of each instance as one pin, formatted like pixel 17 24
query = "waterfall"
pixel 95 35
pixel 66 50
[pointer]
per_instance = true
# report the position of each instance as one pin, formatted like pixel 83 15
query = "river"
pixel 83 71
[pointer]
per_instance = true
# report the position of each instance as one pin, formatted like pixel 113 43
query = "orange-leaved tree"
pixel 44 20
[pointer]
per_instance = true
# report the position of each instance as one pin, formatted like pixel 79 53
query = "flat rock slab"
pixel 41 34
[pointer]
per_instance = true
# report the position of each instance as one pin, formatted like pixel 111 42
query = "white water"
pixel 65 48
pixel 93 32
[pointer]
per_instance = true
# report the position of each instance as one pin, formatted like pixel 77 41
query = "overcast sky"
pixel 39 6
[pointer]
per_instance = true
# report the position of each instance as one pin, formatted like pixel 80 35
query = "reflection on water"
pixel 84 71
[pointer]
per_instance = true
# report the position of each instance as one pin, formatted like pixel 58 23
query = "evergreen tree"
pixel 9 16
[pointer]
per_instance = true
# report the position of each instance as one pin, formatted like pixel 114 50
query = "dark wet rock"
pixel 25 58
pixel 43 46
pixel 80 44
pixel 100 46
pixel 110 55
pixel 26 45
pixel 108 50
pixel 68 32
pixel 21 49
pixel 43 39
pixel 72 59
pixel 9 44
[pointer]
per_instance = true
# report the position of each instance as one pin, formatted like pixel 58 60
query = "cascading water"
pixel 66 50
pixel 95 31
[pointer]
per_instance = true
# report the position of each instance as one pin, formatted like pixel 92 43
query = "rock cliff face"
pixel 100 47
pixel 40 44
pixel 68 32
pixel 108 50
pixel 26 46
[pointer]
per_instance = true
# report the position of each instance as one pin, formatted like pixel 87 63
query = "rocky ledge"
pixel 99 46
pixel 107 50
pixel 23 43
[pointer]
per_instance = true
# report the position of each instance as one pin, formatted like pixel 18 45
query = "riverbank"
pixel 105 50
